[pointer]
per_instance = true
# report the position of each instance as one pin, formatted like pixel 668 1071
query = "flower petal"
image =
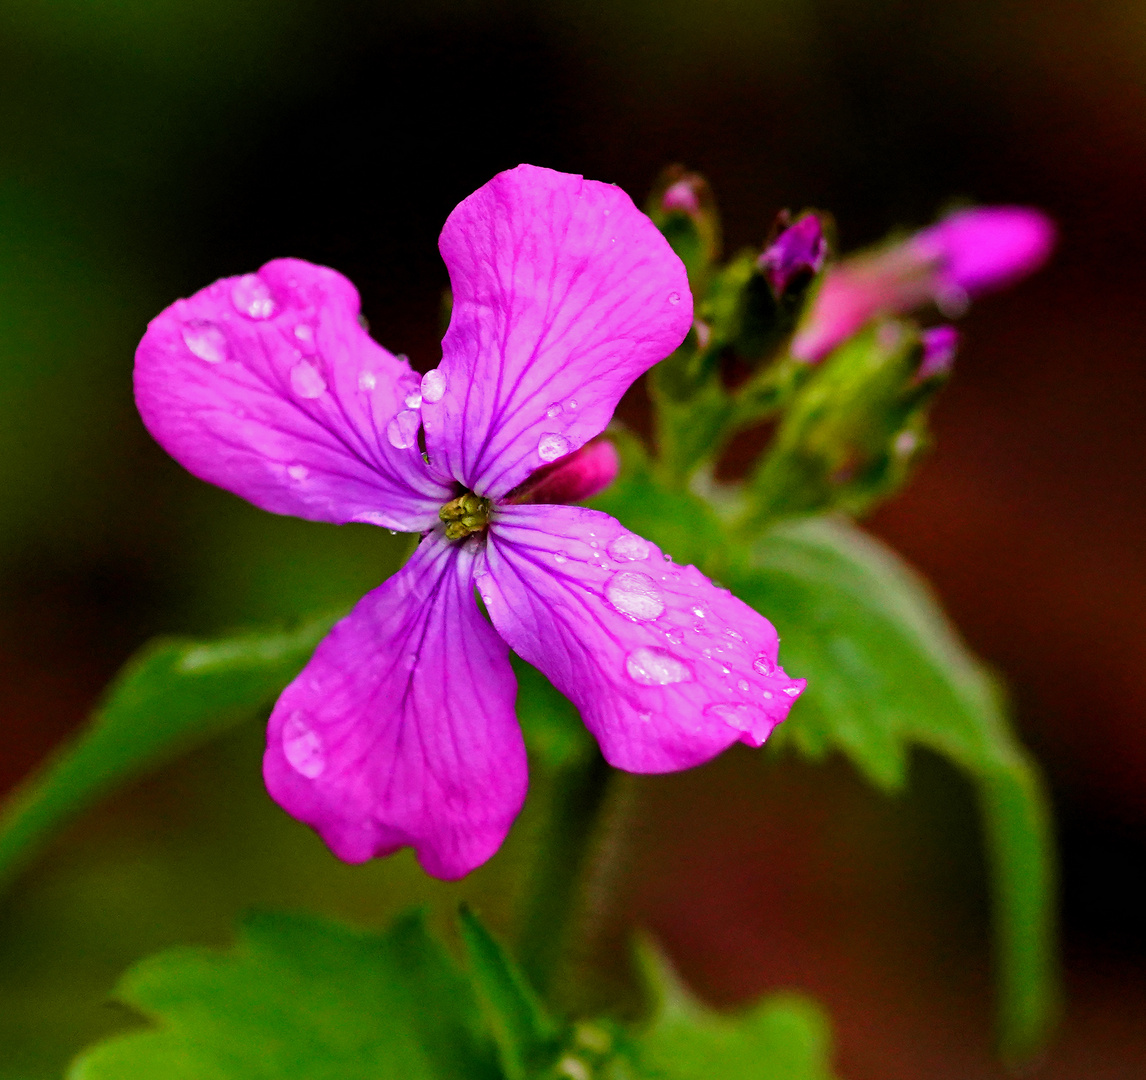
pixel 666 668
pixel 401 731
pixel 564 292
pixel 267 385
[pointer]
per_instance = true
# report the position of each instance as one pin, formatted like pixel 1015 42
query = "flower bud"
pixel 939 346
pixel 798 253
pixel 682 207
pixel 571 479
pixel 964 255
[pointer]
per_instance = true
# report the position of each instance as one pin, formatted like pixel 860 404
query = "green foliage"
pixel 886 672
pixel 783 1037
pixel 526 1038
pixel 300 998
pixel 173 695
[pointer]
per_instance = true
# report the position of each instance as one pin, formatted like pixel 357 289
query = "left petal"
pixel 666 668
pixel 564 292
pixel 401 730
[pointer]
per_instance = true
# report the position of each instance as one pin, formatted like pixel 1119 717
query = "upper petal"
pixel 564 292
pixel 268 386
pixel 666 668
pixel 401 731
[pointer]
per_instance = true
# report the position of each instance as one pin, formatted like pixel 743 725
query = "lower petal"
pixel 666 668
pixel 401 729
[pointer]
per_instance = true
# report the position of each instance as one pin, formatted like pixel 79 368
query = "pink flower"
pixel 969 253
pixel 401 729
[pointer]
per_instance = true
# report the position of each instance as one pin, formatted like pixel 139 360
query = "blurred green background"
pixel 151 146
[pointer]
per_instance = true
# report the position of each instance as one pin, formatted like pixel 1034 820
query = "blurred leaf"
pixel 300 998
pixel 783 1037
pixel 886 671
pixel 172 695
pixel 526 1037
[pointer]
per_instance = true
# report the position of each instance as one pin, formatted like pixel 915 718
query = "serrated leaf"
pixel 886 671
pixel 304 999
pixel 172 695
pixel 526 1037
pixel 783 1037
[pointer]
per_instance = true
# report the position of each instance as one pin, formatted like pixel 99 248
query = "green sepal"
pixel 782 1037
pixel 300 998
pixel 851 432
pixel 173 695
pixel 693 234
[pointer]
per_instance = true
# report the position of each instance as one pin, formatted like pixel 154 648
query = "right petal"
pixel 268 386
pixel 401 730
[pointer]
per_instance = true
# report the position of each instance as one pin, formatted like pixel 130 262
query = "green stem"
pixel 579 792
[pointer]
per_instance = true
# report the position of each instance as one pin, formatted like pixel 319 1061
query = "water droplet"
pixel 402 431
pixel 367 381
pixel 763 665
pixel 698 628
pixel 724 670
pixel 594 545
pixel 635 594
pixel 698 612
pixel 306 381
pixel 302 747
pixel 559 557
pixel 644 717
pixel 743 686
pixel 729 632
pixel 414 400
pixel 551 446
pixel 252 298
pixel 792 691
pixel 206 341
pixel 655 667
pixel 674 298
pixel 675 635
pixel 305 333
pixel 668 557
pixel 739 715
pixel 553 410
pixel 433 386
pixel 768 694
pixel 572 406
pixel 298 472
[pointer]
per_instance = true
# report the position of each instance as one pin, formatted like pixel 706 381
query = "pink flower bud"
pixel 682 196
pixel 967 254
pixel 799 250
pixel 574 478
pixel 939 346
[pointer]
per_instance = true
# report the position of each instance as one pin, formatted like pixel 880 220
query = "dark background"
pixel 149 147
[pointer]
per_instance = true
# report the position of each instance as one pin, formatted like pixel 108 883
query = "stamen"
pixel 465 515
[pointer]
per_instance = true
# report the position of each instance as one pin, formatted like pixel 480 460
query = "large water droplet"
pixel 551 446
pixel 635 594
pixel 656 667
pixel 302 747
pixel 763 665
pixel 206 341
pixel 252 298
pixel 306 381
pixel 433 386
pixel 628 548
pixel 402 431
pixel 739 715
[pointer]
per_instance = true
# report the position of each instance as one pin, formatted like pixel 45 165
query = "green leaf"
pixel 300 998
pixel 172 695
pixel 886 671
pixel 527 1039
pixel 783 1037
